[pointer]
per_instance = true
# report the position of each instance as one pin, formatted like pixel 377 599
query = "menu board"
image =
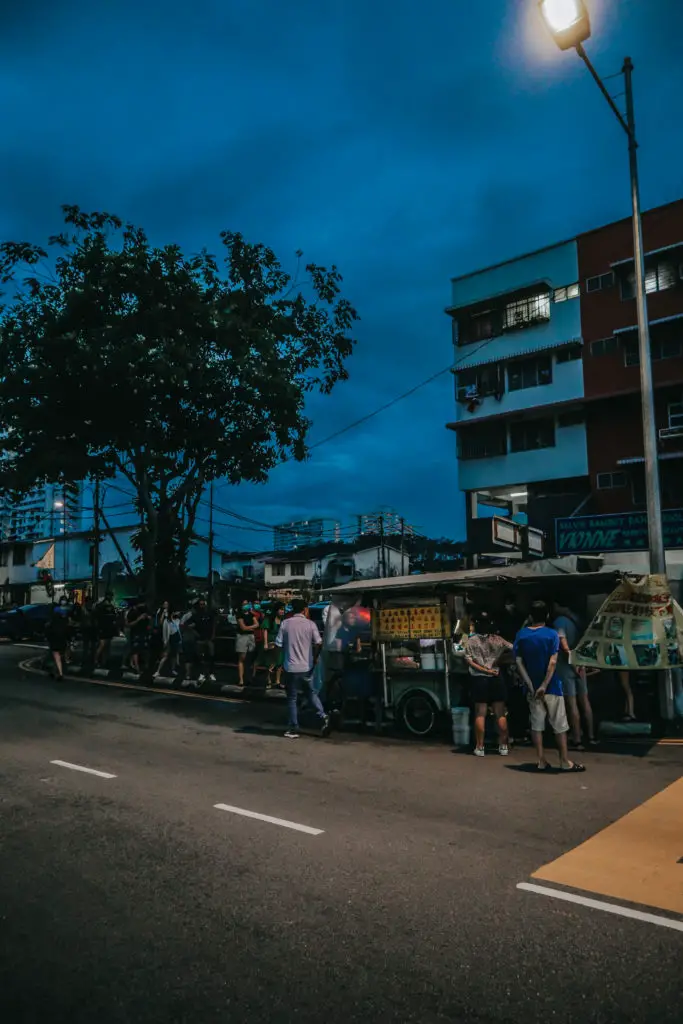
pixel 425 622
pixel 639 626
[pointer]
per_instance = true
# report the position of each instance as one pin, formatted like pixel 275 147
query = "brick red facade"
pixel 612 389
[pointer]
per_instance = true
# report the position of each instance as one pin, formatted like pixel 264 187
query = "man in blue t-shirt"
pixel 536 649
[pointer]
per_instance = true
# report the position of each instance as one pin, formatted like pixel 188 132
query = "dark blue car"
pixel 25 623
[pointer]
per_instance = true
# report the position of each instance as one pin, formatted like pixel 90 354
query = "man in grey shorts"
pixel 574 684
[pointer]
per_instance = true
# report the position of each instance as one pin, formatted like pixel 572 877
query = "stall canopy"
pixel 589 574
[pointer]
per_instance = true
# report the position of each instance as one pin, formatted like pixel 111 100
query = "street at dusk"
pixel 141 901
pixel 341 513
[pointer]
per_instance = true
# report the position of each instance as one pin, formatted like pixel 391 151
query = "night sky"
pixel 407 142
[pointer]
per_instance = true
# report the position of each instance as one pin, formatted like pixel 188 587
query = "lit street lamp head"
pixel 567 21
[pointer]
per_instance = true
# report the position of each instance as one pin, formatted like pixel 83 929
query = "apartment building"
pixel 546 376
pixel 303 532
pixel 47 511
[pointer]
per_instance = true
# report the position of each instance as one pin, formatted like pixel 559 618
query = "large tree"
pixel 171 369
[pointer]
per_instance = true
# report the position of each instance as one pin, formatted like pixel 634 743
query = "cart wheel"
pixel 417 713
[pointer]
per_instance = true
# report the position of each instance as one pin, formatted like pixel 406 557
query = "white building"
pixel 335 568
pixel 519 383
pixel 69 560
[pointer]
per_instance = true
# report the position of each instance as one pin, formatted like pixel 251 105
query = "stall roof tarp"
pixel 526 572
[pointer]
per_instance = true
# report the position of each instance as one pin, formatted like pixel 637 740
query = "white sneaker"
pixel 479 752
pixel 292 734
pixel 212 678
pixel 202 679
pixel 503 750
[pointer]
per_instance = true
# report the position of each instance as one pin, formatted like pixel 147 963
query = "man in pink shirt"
pixel 301 644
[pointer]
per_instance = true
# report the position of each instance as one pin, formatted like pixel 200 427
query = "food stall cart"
pixel 390 642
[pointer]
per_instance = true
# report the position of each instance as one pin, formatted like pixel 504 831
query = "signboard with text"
pixel 626 531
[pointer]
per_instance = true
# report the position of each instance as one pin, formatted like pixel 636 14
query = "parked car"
pixel 25 623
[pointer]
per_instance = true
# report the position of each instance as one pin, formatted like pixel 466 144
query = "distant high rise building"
pixel 387 520
pixel 47 511
pixel 303 532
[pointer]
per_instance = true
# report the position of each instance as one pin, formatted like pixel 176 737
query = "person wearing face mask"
pixel 245 642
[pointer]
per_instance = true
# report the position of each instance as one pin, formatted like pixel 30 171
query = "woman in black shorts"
pixel 483 648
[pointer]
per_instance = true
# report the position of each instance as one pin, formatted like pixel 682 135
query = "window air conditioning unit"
pixel 666 433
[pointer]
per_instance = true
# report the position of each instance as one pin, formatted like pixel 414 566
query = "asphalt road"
pixel 134 899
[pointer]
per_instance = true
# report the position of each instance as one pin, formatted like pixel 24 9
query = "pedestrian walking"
pixel 157 649
pixel 138 621
pixel 272 655
pixel 203 620
pixel 106 619
pixel 173 645
pixel 259 649
pixel 245 643
pixel 574 682
pixel 88 627
pixel 483 648
pixel 301 644
pixel 536 649
pixel 57 635
pixel 188 635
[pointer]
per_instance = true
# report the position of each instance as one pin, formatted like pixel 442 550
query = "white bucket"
pixel 428 661
pixel 461 726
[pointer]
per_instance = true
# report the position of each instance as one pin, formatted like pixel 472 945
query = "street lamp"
pixel 567 21
pixel 569 24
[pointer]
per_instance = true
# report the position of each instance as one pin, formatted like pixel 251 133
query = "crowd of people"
pixel 525 676
pixel 277 639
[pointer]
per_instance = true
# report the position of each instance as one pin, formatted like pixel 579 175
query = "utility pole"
pixel 211 544
pixel 403 536
pixel 96 543
pixel 383 559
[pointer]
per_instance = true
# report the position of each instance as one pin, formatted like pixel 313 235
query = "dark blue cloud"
pixel 407 143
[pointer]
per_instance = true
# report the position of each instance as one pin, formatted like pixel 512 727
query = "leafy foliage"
pixel 171 369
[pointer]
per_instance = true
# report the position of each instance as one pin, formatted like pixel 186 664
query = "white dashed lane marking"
pixel 273 821
pixel 82 768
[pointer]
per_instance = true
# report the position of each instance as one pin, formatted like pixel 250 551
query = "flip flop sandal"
pixel 574 768
pixel 543 767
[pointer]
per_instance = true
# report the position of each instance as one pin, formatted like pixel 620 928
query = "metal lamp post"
pixel 569 24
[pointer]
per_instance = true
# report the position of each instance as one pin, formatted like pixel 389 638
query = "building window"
pixel 658 278
pixel 676 414
pixel 668 348
pixel 571 419
pixel 600 283
pixel 604 347
pixel 522 312
pixel 483 442
pixel 530 373
pixel 479 326
pixel 485 380
pixel 611 481
pixel 572 291
pixel 569 354
pixel 297 569
pixel 19 554
pixel 528 435
pixel 278 569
